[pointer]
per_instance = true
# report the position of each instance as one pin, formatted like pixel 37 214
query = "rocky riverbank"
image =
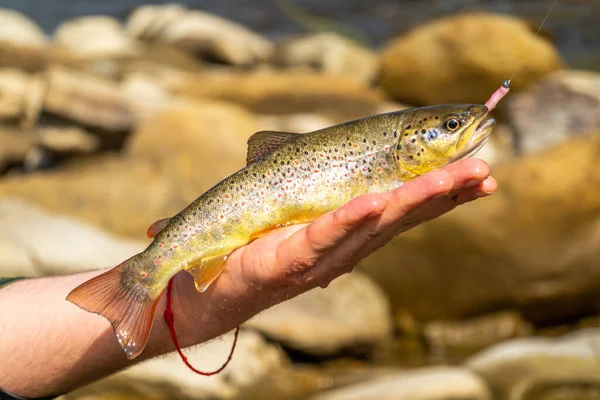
pixel 106 127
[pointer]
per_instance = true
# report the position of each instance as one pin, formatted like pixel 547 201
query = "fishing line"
pixel 170 320
pixel 536 35
pixel 505 87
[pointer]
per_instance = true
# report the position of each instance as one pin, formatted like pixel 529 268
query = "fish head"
pixel 435 136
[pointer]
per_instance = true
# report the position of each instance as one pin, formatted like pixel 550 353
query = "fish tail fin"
pixel 130 310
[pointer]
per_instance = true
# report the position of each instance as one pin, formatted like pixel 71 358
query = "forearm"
pixel 49 346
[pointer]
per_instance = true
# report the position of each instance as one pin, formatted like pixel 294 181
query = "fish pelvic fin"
pixel 207 271
pixel 157 227
pixel 130 310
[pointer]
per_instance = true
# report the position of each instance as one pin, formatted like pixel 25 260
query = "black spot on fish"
pixel 374 142
pixel 408 126
pixel 395 134
pixel 306 153
pixel 411 157
pixel 423 131
pixel 418 154
pixel 436 117
pixel 384 134
pixel 414 140
pixel 399 147
pixel 406 134
pixel 364 140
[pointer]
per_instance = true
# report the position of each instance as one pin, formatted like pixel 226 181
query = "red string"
pixel 168 315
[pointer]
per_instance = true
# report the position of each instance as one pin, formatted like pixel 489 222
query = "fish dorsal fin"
pixel 265 142
pixel 206 271
pixel 156 227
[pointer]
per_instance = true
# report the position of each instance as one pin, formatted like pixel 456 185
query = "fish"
pixel 289 178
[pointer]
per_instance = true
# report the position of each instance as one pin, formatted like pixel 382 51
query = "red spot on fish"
pixel 364 169
pixel 316 170
pixel 226 196
pixel 190 219
pixel 246 183
pixel 279 195
pixel 144 274
pixel 378 169
pixel 221 216
pixel 383 163
pixel 243 203
pixel 175 247
pixel 160 245
pixel 269 173
pixel 296 162
pixel 185 235
pixel 386 148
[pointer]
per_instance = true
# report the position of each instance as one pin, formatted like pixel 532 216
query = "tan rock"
pixel 318 322
pixel 87 100
pixel 532 246
pixel 174 157
pixel 15 146
pixel 271 92
pixel 67 140
pixel 329 53
pixel 464 58
pixel 562 105
pixel 199 32
pixel 22 43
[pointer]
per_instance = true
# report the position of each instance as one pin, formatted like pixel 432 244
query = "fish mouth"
pixel 477 139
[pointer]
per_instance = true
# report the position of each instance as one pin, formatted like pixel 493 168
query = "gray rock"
pixel 34 242
pixel 167 376
pixel 352 311
pixel 433 383
pixel 199 32
pixel 518 368
pixel 563 105
pixel 329 53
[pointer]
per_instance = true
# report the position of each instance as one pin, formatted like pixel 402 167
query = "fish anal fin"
pixel 156 227
pixel 206 271
pixel 264 143
pixel 130 312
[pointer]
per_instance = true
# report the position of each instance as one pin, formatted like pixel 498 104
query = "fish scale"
pixel 290 178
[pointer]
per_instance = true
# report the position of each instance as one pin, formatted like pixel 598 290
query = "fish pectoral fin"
pixel 156 227
pixel 265 142
pixel 207 271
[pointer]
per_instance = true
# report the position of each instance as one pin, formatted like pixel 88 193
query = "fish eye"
pixel 452 124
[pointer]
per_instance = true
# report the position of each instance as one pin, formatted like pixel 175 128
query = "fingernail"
pixel 439 196
pixel 471 183
pixel 481 194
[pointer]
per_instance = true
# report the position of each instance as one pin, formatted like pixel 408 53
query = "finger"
pixel 485 188
pixel 415 193
pixel 467 173
pixel 298 254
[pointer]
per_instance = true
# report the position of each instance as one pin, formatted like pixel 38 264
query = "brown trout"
pixel 290 178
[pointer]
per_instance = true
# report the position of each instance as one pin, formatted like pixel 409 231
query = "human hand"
pixel 295 259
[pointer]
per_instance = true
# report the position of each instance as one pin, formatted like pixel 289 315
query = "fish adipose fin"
pixel 264 143
pixel 207 271
pixel 156 227
pixel 129 310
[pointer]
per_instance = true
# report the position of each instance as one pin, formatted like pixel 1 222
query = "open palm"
pixel 295 259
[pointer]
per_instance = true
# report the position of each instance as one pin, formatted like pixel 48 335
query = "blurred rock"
pixel 272 92
pixel 520 368
pixel 205 34
pixel 297 123
pixel 318 322
pixel 23 45
pixel 97 43
pixel 168 376
pixel 14 148
pixel 21 96
pixel 144 97
pixel 88 100
pixel 67 140
pixel 43 244
pixel 448 339
pixel 329 53
pixel 173 158
pixel 433 383
pixel 464 58
pixel 531 247
pixel 561 106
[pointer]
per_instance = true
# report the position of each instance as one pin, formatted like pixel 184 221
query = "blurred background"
pixel 117 113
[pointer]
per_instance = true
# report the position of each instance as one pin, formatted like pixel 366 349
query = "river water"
pixel 573 26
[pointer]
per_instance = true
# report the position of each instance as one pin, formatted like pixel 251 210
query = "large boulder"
pixel 463 58
pixel 171 159
pixel 542 368
pixel 563 105
pixel 23 44
pixel 318 322
pixel 532 246
pixel 205 34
